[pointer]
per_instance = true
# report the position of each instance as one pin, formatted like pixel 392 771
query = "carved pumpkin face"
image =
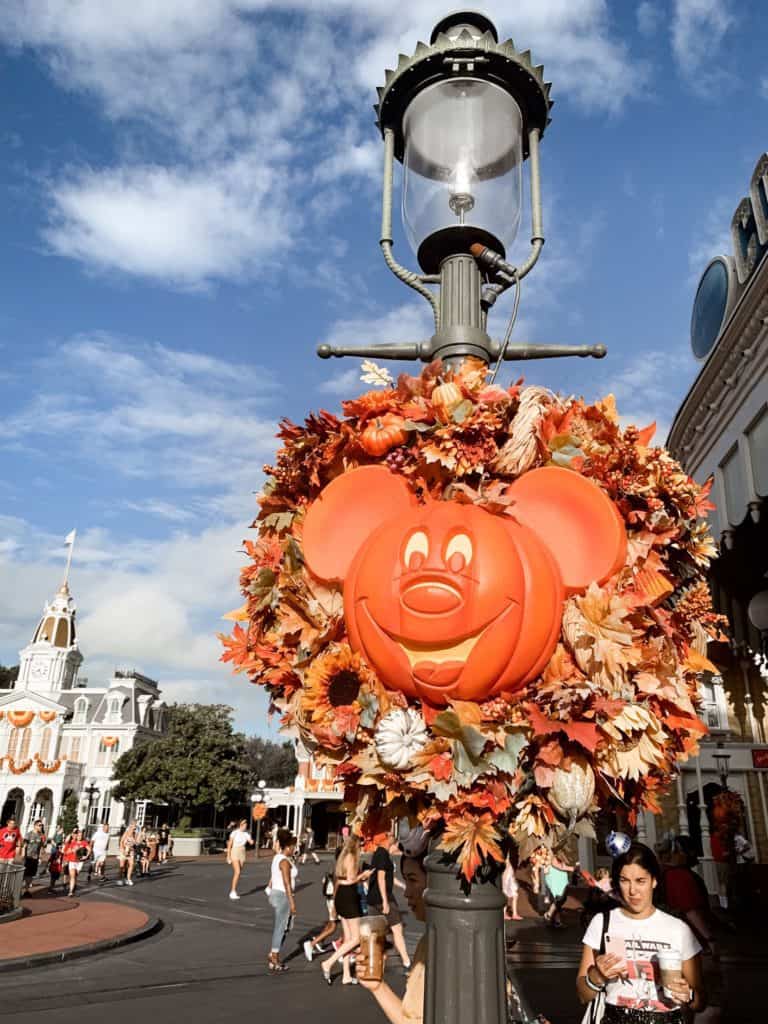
pixel 445 600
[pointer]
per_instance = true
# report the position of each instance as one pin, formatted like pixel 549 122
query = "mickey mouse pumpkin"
pixel 445 600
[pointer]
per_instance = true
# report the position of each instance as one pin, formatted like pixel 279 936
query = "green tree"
pixel 274 762
pixel 68 814
pixel 198 763
pixel 8 676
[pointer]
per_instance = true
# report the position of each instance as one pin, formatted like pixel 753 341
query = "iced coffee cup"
pixel 370 956
pixel 671 968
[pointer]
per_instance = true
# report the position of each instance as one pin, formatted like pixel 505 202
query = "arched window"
pixel 81 710
pixel 26 739
pixel 13 742
pixel 45 743
pixel 108 749
pixel 62 633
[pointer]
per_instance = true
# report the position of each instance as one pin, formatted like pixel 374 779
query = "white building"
pixel 59 736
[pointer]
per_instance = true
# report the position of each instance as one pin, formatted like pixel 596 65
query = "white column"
pixel 756 732
pixel 708 869
pixel 750 816
pixel 682 808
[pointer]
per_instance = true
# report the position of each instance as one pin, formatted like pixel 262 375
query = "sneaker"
pixel 322 947
pixel 234 896
pixel 120 882
pixel 128 881
pixel 308 950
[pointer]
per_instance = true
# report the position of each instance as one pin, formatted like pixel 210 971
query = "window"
pixel 62 633
pixel 13 741
pixel 735 484
pixel 26 739
pixel 758 451
pixel 81 710
pixel 45 744
pixel 714 704
pixel 106 806
pixel 114 709
pixel 108 749
pixel 74 749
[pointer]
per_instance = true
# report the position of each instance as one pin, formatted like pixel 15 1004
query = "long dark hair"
pixel 640 855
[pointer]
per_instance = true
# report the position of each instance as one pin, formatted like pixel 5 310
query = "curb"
pixel 55 956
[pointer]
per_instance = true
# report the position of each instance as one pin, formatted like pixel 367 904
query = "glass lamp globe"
pixel 462 177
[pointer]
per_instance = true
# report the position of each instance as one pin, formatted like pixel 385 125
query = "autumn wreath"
pixel 615 707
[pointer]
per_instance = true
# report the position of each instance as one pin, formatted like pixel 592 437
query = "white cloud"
pixel 650 386
pixel 242 77
pixel 153 413
pixel 711 236
pixel 152 606
pixel 649 18
pixel 698 30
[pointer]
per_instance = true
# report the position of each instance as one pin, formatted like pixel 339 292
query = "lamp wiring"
pixel 508 334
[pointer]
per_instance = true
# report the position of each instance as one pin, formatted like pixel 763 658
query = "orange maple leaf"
pixel 475 839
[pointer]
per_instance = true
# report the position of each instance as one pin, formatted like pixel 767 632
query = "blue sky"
pixel 191 203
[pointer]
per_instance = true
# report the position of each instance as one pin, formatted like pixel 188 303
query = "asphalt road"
pixel 208 964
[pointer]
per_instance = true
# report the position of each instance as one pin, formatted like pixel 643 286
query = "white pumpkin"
pixel 399 735
pixel 573 789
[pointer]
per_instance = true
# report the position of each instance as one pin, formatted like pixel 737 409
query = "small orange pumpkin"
pixel 384 433
pixel 46 716
pixel 110 741
pixel 445 398
pixel 20 718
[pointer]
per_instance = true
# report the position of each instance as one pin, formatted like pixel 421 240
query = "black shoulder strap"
pixel 606 923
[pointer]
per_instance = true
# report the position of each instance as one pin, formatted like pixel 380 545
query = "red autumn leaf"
pixel 645 435
pixel 550 753
pixel 441 767
pixel 583 733
pixel 688 724
pixel 475 839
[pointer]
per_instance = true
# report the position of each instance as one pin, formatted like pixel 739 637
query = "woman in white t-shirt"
pixel 239 838
pixel 282 882
pixel 622 949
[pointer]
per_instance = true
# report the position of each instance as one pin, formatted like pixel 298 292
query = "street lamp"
pixel 259 810
pixel 92 791
pixel 722 760
pixel 462 115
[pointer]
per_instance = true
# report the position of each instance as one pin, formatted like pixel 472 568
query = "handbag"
pixel 594 1012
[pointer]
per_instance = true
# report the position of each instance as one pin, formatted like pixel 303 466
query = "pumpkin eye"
pixel 458 553
pixel 416 550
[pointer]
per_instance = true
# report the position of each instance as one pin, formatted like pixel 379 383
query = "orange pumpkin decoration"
pixel 383 433
pixel 46 716
pixel 445 398
pixel 110 741
pixel 445 600
pixel 20 718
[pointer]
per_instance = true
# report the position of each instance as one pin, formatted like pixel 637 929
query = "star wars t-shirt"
pixel 644 940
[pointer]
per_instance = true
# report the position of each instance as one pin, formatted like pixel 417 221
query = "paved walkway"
pixel 57 924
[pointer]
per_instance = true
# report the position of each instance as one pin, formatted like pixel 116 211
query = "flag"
pixel 70 538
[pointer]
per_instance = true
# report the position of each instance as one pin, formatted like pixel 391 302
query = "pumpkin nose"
pixel 431 598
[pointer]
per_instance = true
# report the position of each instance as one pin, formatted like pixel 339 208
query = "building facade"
pixel 721 431
pixel 61 736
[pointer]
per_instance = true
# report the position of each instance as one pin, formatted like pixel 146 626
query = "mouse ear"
pixel 577 521
pixel 346 513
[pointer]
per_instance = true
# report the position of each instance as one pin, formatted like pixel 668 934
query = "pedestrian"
pixel 10 841
pixel 54 867
pixel 309 846
pixel 316 942
pixel 142 851
pixel 556 876
pixel 152 842
pixel 282 881
pixel 623 948
pixel 162 844
pixel 239 838
pixel 74 854
pixel 381 894
pixel 511 890
pixel 99 845
pixel 273 835
pixel 126 855
pixel 685 893
pixel 409 1009
pixel 347 876
pixel 34 842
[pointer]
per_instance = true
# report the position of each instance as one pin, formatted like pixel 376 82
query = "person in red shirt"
pixel 74 853
pixel 10 841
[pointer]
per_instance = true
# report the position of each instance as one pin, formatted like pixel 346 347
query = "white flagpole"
pixel 70 542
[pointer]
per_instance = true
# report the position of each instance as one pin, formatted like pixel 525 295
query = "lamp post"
pixel 92 791
pixel 462 115
pixel 722 760
pixel 258 811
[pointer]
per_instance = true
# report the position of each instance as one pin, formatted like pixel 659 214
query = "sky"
pixel 191 203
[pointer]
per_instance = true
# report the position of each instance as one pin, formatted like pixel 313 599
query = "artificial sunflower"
pixel 340 693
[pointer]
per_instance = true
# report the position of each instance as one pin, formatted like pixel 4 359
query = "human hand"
pixel 372 986
pixel 679 991
pixel 611 966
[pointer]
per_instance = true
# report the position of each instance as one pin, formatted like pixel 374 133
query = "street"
pixel 208 964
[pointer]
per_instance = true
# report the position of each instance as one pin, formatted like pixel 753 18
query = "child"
pixel 511 890
pixel 54 867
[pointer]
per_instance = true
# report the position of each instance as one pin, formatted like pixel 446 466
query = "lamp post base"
pixel 465 977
